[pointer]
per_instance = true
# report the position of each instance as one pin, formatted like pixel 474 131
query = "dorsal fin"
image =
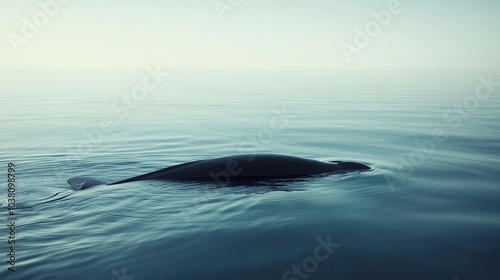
pixel 81 183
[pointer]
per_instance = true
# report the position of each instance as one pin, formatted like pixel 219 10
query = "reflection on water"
pixel 428 210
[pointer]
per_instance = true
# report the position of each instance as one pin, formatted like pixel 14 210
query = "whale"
pixel 229 170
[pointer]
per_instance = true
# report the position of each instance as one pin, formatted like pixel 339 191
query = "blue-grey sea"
pixel 429 209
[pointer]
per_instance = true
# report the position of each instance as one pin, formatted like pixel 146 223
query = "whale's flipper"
pixel 80 183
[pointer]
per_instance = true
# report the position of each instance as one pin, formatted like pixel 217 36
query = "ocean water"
pixel 429 209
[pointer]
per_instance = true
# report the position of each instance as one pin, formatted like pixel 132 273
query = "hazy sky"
pixel 319 35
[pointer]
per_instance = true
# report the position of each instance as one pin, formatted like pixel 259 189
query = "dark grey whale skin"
pixel 237 168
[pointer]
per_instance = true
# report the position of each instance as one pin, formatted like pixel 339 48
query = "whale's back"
pixel 251 167
pixel 240 167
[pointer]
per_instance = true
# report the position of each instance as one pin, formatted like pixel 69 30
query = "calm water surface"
pixel 429 210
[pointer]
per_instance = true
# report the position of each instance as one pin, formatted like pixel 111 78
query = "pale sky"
pixel 254 35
